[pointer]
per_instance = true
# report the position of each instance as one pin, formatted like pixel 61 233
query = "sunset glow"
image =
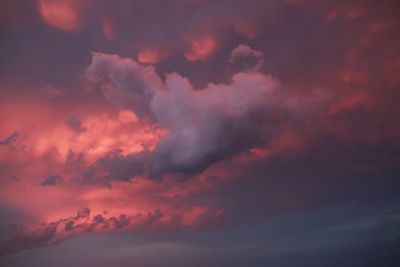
pixel 200 133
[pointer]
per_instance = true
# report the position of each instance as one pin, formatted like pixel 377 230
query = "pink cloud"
pixel 152 56
pixel 201 48
pixel 60 14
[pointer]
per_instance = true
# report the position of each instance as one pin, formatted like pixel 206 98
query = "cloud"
pixel 24 239
pixel 201 48
pixel 125 81
pixel 116 166
pixel 209 124
pixel 52 180
pixel 83 213
pixel 60 14
pixel 249 58
pixel 152 56
pixel 245 51
pixel 274 150
pixel 10 139
pixel 203 126
pixel 69 225
pixel 55 232
pixel 75 123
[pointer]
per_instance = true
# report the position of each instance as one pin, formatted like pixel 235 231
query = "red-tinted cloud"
pixel 61 14
pixel 192 113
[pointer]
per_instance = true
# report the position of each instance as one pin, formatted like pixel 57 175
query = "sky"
pixel 200 133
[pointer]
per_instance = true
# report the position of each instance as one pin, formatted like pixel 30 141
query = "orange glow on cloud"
pixel 99 134
pixel 201 48
pixel 43 149
pixel 358 100
pixel 165 129
pixel 194 216
pixel 151 56
pixel 103 134
pixel 287 141
pixel 48 204
pixel 60 14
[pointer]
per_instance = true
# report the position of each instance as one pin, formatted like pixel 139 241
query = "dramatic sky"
pixel 201 133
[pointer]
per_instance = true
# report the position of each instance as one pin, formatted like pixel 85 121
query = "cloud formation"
pixel 203 125
pixel 61 14
pixel 250 59
pixel 51 180
pixel 194 114
pixel 10 139
pixel 55 232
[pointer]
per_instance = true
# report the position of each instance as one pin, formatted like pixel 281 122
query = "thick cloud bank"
pixel 203 125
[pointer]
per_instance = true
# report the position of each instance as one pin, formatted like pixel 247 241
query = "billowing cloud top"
pixel 203 125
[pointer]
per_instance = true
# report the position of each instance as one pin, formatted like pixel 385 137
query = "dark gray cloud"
pixel 10 139
pixel 52 180
pixel 23 239
pixel 75 122
pixel 55 232
pixel 83 213
pixel 69 225
pixel 340 235
pixel 116 166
